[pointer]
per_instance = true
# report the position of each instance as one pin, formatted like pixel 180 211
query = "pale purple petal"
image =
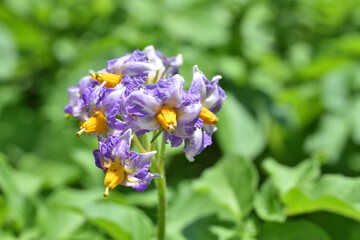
pixel 143 103
pixel 137 168
pixel 210 129
pixel 138 161
pixel 198 84
pixel 94 97
pixel 190 107
pixel 137 69
pixel 115 65
pixel 215 96
pixel 86 82
pixel 107 146
pixel 76 106
pixel 146 178
pixel 186 129
pixel 170 90
pixel 196 143
pixel 121 146
pixel 174 140
pixel 212 96
pixel 97 157
pixel 131 64
pixel 112 121
pixel 132 83
pixel 112 100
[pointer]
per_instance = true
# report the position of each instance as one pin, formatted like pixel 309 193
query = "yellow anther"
pixel 114 176
pixel 111 79
pixel 95 124
pixel 78 134
pixel 208 117
pixel 106 193
pixel 167 118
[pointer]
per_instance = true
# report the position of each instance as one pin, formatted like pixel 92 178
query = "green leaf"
pixel 333 193
pixel 222 232
pixel 119 221
pixel 355 116
pixel 183 25
pixel 17 204
pixel 53 173
pixel 240 134
pixel 329 141
pixel 338 227
pixel 8 54
pixel 292 230
pixel 302 191
pixel 59 223
pixel 285 178
pixel 268 205
pixel 94 176
pixel 187 206
pixel 231 183
pixel 74 199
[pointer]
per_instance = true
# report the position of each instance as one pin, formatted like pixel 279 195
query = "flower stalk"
pixel 157 166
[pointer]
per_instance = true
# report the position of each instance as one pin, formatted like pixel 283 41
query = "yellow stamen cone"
pixel 95 124
pixel 167 118
pixel 208 117
pixel 111 79
pixel 114 176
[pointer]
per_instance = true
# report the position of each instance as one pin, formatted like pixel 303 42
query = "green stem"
pixel 161 187
pixel 146 143
pixel 157 167
pixel 138 144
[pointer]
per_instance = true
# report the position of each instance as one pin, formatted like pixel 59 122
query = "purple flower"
pixel 133 69
pixel 131 65
pixel 103 106
pixel 164 104
pixel 123 167
pixel 166 66
pixel 76 106
pixel 212 96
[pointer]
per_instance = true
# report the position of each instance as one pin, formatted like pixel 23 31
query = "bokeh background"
pixel 286 157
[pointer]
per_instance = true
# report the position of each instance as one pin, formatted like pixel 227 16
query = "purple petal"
pixel 170 90
pixel 186 129
pixel 174 140
pixel 144 102
pixel 116 147
pixel 121 149
pixel 212 96
pixel 196 143
pixel 98 162
pixel 115 65
pixel 137 168
pixel 111 120
pixel 137 69
pixel 198 84
pixel 144 182
pixel 106 147
pixel 132 83
pixel 112 100
pixel 190 107
pixel 131 64
pixel 138 162
pixel 215 96
pixel 86 82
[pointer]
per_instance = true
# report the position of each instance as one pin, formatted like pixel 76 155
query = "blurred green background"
pixel 286 157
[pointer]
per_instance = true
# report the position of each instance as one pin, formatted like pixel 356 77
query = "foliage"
pixel 286 160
